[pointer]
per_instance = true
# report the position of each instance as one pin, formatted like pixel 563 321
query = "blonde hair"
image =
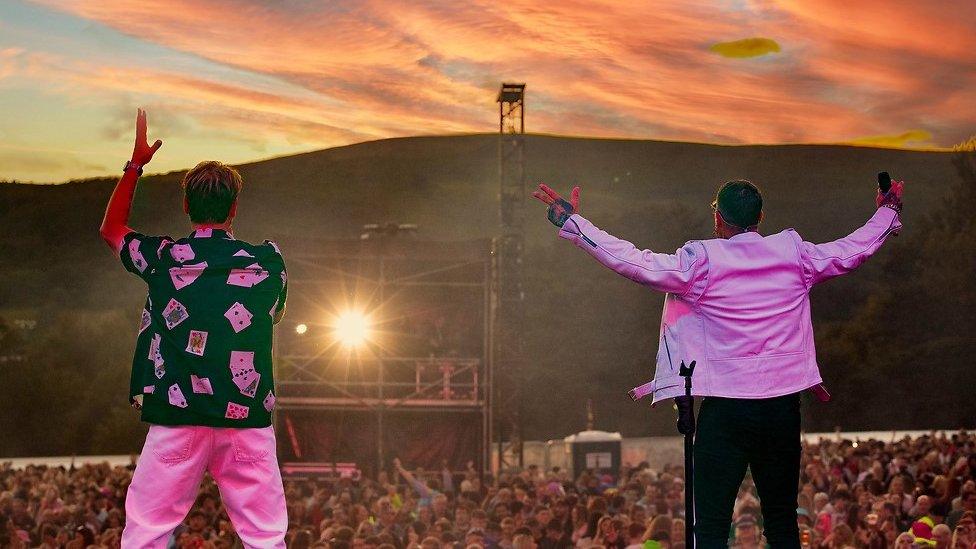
pixel 211 189
pixel 523 541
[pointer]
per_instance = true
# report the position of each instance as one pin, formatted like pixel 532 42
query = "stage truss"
pixel 381 273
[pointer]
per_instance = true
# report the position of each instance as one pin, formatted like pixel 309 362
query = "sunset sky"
pixel 240 80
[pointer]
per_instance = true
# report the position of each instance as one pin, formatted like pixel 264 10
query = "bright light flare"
pixel 301 329
pixel 352 328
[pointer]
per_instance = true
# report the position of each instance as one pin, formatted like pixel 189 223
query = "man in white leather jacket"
pixel 739 306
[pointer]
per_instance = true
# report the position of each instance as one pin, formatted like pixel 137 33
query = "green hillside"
pixel 53 266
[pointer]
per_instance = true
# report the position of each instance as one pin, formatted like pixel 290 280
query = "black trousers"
pixel 733 434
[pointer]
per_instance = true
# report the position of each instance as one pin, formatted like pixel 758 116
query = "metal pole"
pixel 380 365
pixel 686 426
pixel 485 391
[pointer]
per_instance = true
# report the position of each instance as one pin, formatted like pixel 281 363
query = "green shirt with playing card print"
pixel 203 354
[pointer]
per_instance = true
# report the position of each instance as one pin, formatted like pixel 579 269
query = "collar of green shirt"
pixel 208 232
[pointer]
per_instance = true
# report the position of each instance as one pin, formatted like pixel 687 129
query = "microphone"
pixel 884 182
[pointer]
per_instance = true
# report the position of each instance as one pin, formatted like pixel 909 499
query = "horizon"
pixel 151 173
pixel 313 77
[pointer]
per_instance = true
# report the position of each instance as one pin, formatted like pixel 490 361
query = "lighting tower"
pixel 507 362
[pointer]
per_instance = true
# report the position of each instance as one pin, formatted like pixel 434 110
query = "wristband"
pixel 559 212
pixel 890 200
pixel 130 165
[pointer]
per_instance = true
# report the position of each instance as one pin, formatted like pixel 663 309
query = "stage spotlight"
pixel 352 328
pixel 301 329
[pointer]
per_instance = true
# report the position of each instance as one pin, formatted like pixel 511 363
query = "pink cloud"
pixel 378 68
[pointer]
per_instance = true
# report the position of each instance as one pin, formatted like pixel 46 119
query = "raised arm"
pixel 675 273
pixel 420 487
pixel 824 261
pixel 115 224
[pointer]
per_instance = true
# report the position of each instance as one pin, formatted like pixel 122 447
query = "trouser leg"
pixel 245 467
pixel 164 484
pixel 775 463
pixel 720 465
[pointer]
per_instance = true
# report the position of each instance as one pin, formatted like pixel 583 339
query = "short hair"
pixel 739 202
pixel 523 541
pixel 211 188
pixel 345 533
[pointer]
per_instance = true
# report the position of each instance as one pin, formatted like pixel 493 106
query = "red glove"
pixel 892 198
pixel 559 209
pixel 116 220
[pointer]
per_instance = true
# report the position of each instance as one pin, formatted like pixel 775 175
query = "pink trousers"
pixel 167 479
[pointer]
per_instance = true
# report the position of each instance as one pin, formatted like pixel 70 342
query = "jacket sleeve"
pixel 825 261
pixel 682 273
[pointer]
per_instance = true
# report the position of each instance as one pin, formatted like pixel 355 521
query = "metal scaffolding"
pixel 391 278
pixel 508 294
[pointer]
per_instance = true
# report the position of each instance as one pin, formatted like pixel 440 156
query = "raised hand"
pixel 559 208
pixel 142 153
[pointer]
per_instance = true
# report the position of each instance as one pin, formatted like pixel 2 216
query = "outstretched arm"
pixel 115 224
pixel 677 273
pixel 412 480
pixel 825 261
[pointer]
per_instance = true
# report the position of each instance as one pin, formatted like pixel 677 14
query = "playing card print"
pixel 201 385
pixel 252 388
pixel 239 317
pixel 243 378
pixel 236 411
pixel 241 360
pixel 247 381
pixel 162 244
pixel 137 259
pixel 197 342
pixel 247 277
pixel 258 274
pixel 154 354
pixel 243 373
pixel 182 252
pixel 186 275
pixel 145 322
pixel 174 314
pixel 175 395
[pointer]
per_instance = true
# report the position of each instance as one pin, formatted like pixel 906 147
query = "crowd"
pixel 917 492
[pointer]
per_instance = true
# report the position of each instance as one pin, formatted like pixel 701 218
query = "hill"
pixel 53 264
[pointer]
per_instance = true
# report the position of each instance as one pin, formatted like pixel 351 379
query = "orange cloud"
pixel 747 47
pixel 377 68
pixel 918 137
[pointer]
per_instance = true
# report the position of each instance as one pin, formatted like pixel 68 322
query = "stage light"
pixel 352 328
pixel 301 329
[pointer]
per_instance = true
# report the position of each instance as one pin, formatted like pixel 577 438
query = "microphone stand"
pixel 686 426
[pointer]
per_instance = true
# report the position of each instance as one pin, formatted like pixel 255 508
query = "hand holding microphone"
pixel 889 192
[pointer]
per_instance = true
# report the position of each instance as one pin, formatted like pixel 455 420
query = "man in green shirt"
pixel 202 372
